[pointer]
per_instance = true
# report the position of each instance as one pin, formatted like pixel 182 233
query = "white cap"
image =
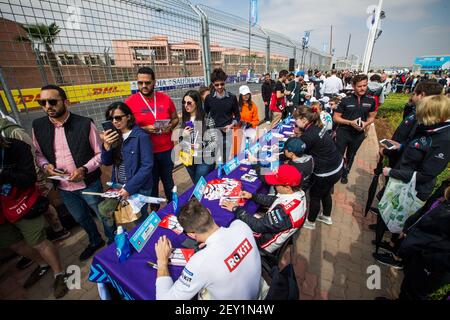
pixel 119 230
pixel 244 90
pixel 313 99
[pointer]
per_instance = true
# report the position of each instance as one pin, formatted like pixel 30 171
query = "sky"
pixel 411 27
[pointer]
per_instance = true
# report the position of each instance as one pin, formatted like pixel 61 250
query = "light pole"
pixel 373 32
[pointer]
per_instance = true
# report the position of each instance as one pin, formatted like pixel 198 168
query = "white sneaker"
pixel 325 219
pixel 267 122
pixel 309 225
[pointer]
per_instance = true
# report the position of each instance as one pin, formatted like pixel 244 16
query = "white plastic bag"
pixel 398 203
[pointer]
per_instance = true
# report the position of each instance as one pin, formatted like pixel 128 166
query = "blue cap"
pixel 295 145
pixel 300 73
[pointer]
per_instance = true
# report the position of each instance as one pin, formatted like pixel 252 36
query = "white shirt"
pixel 228 268
pixel 332 85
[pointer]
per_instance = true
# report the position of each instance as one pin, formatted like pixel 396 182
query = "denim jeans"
pixel 162 169
pixel 199 170
pixel 78 205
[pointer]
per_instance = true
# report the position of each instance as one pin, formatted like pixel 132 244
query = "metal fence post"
pixel 206 51
pixel 267 51
pixel 10 97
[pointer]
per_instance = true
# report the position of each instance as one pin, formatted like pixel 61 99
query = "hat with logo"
pixel 244 90
pixel 295 145
pixel 287 175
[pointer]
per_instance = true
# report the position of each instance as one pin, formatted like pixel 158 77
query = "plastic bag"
pixel 399 201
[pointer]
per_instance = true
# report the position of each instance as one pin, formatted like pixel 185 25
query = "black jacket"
pixel 77 130
pixel 322 148
pixel 403 135
pixel 428 154
pixel 266 90
pixel 18 165
pixel 224 110
pixel 429 240
pixel 407 109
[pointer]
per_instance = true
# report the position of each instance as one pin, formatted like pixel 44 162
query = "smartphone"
pixel 359 122
pixel 387 144
pixel 61 171
pixel 108 125
pixel 189 124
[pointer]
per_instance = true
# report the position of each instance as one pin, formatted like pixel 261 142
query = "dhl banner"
pixel 92 92
pixel 75 94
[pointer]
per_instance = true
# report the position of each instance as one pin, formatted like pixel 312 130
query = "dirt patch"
pixel 383 129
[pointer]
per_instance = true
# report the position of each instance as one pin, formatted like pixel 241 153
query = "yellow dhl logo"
pixel 76 94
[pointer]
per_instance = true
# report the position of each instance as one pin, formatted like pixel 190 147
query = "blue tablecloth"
pixel 135 279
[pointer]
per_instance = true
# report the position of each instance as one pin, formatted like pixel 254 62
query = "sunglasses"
pixel 52 102
pixel 220 84
pixel 117 118
pixel 188 103
pixel 147 83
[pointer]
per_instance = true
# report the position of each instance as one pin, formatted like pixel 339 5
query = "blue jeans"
pixel 162 169
pixel 199 170
pixel 78 205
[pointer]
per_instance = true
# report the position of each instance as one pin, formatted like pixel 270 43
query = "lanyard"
pixel 153 111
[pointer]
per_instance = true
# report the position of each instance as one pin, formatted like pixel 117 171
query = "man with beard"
pixel 68 145
pixel 155 113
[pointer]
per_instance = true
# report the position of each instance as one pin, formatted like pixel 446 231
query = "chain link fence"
pixel 94 48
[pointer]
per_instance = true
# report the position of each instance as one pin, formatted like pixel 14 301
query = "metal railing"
pixel 94 47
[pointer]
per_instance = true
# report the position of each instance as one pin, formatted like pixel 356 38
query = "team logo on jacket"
pixel 238 255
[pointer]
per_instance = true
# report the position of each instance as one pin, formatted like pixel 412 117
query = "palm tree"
pixel 46 35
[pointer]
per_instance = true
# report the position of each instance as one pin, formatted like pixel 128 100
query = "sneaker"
pixel 388 260
pixel 59 235
pixel 375 210
pixel 384 245
pixel 24 263
pixel 373 227
pixel 309 225
pixel 90 250
pixel 325 219
pixel 35 276
pixel 344 180
pixel 60 288
pixel 267 122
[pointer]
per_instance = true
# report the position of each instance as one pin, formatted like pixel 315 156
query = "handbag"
pixel 18 203
pixel 399 201
pixel 124 213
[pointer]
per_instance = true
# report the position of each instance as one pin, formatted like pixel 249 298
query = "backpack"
pixel 8 127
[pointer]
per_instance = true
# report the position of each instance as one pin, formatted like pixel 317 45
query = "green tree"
pixel 45 35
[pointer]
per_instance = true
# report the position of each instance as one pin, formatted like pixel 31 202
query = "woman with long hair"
pixel 328 164
pixel 129 150
pixel 199 138
pixel 249 116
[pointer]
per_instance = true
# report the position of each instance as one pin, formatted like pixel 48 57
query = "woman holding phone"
pixel 199 138
pixel 128 149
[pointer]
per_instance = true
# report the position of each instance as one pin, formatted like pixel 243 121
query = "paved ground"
pixel 330 262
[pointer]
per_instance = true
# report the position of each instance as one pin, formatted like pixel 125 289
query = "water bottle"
pixel 219 168
pixel 175 200
pixel 247 147
pixel 122 244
